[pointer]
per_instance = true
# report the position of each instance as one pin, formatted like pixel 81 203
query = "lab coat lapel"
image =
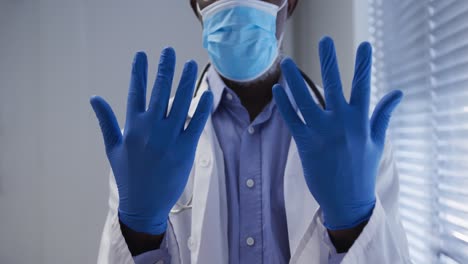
pixel 208 241
pixel 299 203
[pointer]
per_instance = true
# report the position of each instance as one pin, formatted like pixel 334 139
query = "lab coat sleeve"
pixel 113 248
pixel 382 241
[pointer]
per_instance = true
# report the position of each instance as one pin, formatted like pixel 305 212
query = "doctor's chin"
pixel 234 132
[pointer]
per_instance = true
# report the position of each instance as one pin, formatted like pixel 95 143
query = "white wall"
pixel 21 174
pixel 344 21
pixel 54 54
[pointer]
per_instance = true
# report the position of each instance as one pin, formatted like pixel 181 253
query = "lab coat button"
pixel 250 183
pixel 204 161
pixel 191 243
pixel 250 241
pixel 251 130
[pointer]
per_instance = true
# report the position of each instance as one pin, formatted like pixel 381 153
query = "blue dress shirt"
pixel 255 156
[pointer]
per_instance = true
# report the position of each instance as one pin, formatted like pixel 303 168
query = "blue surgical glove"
pixel 152 160
pixel 339 147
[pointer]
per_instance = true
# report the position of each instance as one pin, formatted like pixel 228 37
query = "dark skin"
pixel 254 97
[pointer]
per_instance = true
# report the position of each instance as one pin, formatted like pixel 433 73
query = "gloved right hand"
pixel 152 160
pixel 340 147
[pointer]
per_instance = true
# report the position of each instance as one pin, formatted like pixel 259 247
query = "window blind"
pixel 421 48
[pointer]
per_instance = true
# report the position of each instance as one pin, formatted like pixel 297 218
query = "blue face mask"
pixel 240 37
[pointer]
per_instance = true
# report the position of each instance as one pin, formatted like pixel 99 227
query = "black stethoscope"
pixel 182 207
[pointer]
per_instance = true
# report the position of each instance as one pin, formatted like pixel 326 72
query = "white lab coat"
pixel 199 235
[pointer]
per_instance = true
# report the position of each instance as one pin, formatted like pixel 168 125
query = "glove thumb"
pixel 107 121
pixel 381 116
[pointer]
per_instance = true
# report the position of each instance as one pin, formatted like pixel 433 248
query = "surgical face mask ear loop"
pixel 198 9
pixel 285 2
pixel 280 40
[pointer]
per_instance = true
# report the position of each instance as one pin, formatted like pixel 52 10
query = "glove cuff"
pixel 347 218
pixel 147 225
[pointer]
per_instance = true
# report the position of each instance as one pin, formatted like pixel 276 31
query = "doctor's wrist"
pixel 154 225
pixel 344 239
pixel 139 243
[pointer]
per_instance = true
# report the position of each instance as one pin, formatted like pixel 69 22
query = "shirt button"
pixel 191 243
pixel 160 262
pixel 251 130
pixel 250 241
pixel 250 183
pixel 229 96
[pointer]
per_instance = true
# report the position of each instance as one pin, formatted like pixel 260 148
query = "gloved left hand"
pixel 339 147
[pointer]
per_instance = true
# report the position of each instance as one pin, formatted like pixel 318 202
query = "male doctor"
pixel 250 169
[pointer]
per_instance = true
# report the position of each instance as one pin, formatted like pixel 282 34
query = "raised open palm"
pixel 339 147
pixel 152 160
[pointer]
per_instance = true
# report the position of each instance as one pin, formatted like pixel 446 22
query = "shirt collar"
pixel 217 87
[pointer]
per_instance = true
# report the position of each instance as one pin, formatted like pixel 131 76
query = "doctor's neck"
pixel 255 95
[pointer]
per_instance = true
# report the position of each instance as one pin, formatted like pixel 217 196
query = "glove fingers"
pixel 162 86
pixel 360 93
pixel 196 125
pixel 137 91
pixel 290 116
pixel 308 107
pixel 330 74
pixel 184 94
pixel 107 121
pixel 382 113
